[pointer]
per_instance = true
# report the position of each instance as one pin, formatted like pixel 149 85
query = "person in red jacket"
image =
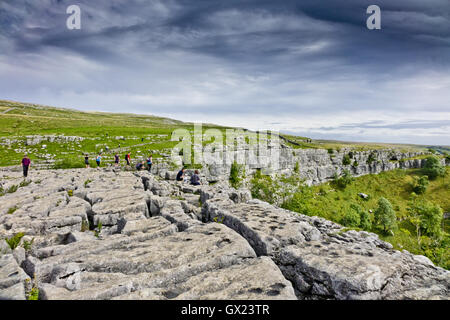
pixel 128 158
pixel 25 165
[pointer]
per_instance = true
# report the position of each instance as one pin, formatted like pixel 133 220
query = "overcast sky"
pixel 308 67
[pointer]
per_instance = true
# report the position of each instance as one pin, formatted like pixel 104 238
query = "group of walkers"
pixel 139 166
pixel 195 179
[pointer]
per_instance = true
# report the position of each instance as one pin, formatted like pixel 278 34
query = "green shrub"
pixel 343 181
pixel 371 158
pixel 263 187
pixel 346 160
pixel 300 202
pixel 355 164
pixel 297 167
pixel 385 215
pixel 33 294
pixel 330 151
pixel 365 220
pixel 24 183
pixel 420 185
pixel 237 174
pixel 12 189
pixel 98 230
pixel 70 193
pixel 351 218
pixel 27 244
pixel 433 168
pixel 14 241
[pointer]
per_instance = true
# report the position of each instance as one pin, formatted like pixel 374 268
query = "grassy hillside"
pixel 99 130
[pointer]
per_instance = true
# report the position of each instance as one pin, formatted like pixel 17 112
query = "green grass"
pixel 97 128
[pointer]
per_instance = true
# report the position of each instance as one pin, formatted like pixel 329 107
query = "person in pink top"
pixel 26 165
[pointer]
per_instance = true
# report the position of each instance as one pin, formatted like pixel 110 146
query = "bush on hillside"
pixel 346 160
pixel 371 158
pixel 351 218
pixel 365 220
pixel 343 181
pixel 433 168
pixel 420 185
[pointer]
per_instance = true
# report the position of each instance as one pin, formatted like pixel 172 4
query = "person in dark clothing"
pixel 86 160
pixel 149 163
pixel 116 160
pixel 26 165
pixel 140 166
pixel 180 175
pixel 128 158
pixel 195 179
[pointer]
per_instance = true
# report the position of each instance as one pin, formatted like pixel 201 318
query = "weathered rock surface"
pixel 157 242
pixel 12 279
pixel 324 263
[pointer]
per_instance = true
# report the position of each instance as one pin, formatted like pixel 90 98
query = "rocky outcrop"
pixel 101 234
pixel 323 262
pixel 315 166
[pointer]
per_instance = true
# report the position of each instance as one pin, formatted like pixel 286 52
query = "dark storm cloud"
pixel 308 64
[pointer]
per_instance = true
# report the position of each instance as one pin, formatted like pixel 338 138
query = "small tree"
pixel 385 215
pixel 433 168
pixel 427 217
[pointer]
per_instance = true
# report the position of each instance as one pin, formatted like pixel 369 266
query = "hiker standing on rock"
pixel 128 158
pixel 86 160
pixel 116 160
pixel 98 159
pixel 25 165
pixel 149 163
